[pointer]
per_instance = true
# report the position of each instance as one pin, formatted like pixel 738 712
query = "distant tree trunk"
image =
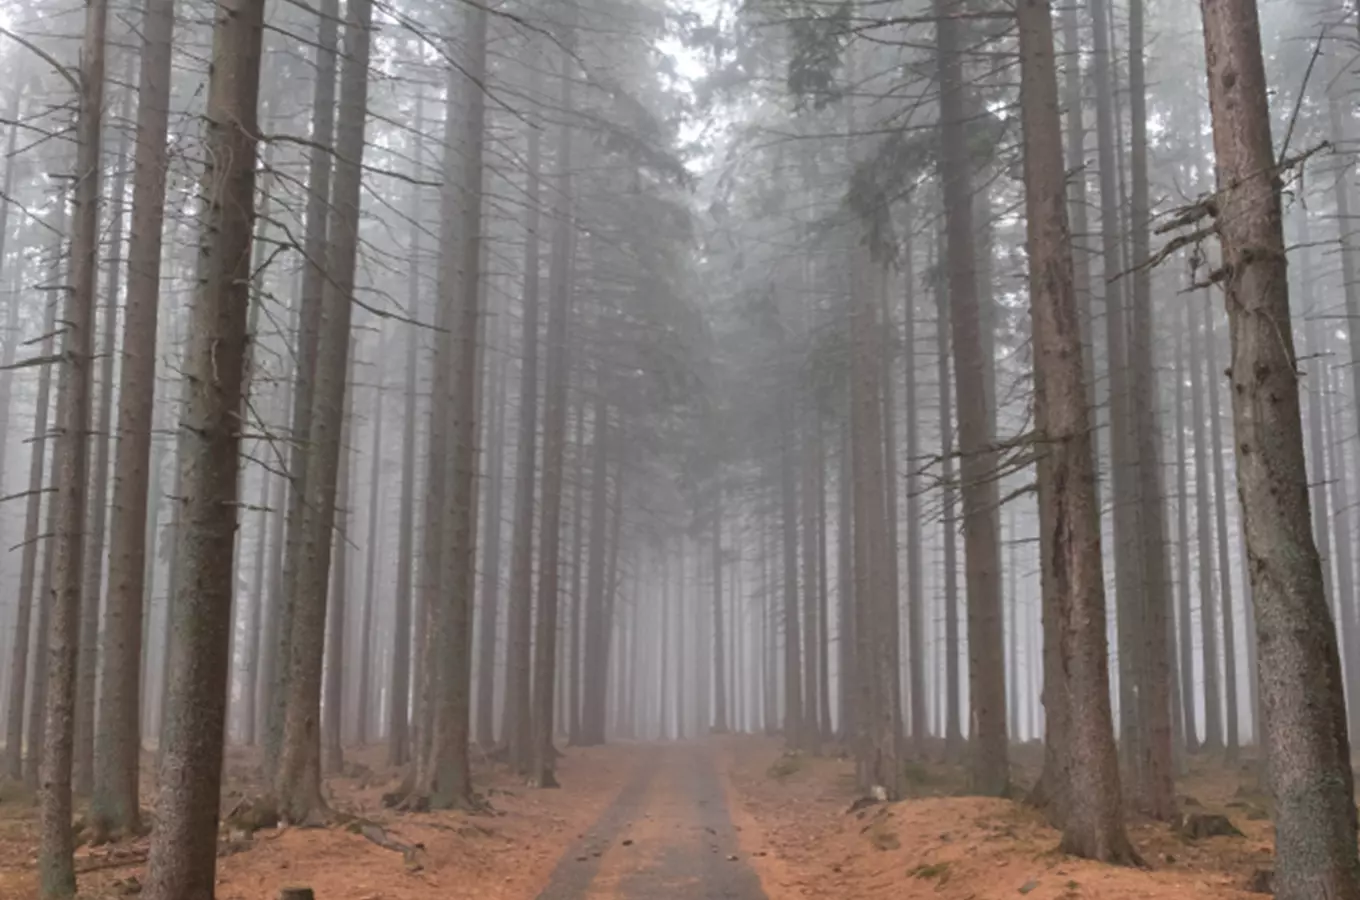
pixel 314 278
pixel 184 847
pixel 719 646
pixel 515 718
pixel 953 728
pixel 1308 752
pixel 1208 614
pixel 15 737
pixel 576 697
pixel 337 596
pixel 93 576
pixel 916 618
pixel 592 724
pixel 847 679
pixel 491 551
pixel 823 602
pixel 297 781
pixel 878 700
pixel 1184 644
pixel 398 722
pixel 809 462
pixel 1221 516
pixel 1070 516
pixel 70 467
pixel 554 433
pixel 451 778
pixel 362 715
pixel 1123 458
pixel 1153 767
pixel 987 681
pixel 788 503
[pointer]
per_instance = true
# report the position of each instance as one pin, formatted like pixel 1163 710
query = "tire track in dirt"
pixel 668 835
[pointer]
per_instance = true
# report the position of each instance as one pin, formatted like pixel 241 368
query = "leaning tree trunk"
pixel 56 863
pixel 1072 569
pixel 1302 700
pixel 183 859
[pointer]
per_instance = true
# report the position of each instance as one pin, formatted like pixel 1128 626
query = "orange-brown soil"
pixel 795 826
pixel 506 855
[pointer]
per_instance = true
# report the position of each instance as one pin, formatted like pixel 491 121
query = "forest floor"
pixel 727 818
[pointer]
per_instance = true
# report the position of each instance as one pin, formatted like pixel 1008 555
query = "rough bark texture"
pixel 56 866
pixel 184 848
pixel 1302 700
pixel 1072 568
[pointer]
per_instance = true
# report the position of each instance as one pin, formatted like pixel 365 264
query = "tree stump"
pixel 296 893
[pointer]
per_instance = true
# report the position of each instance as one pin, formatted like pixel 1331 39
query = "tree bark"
pixel 314 280
pixel 183 857
pixel 297 781
pixel 56 864
pixel 987 682
pixel 515 718
pixel 1072 568
pixel 1302 700
pixel 556 372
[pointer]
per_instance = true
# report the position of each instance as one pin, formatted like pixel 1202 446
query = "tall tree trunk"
pixel 489 614
pixel 577 694
pixel 1184 644
pixel 375 498
pixel 1208 613
pixel 70 466
pixel 1221 518
pixel 554 430
pixel 184 848
pixel 809 462
pixel 592 725
pixel 847 679
pixel 792 709
pixel 452 779
pixel 398 721
pixel 16 739
pixel 93 576
pixel 719 646
pixel 1154 789
pixel 314 281
pixel 515 718
pixel 337 596
pixel 297 781
pixel 915 571
pixel 987 682
pixel 1302 700
pixel 953 728
pixel 1072 568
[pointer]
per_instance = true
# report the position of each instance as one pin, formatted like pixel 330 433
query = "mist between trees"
pixel 500 377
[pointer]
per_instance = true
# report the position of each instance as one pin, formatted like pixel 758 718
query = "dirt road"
pixel 668 835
